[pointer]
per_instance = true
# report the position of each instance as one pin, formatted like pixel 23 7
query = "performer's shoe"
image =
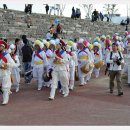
pixel 50 98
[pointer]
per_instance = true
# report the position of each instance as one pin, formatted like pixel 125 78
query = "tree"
pixel 88 9
pixel 107 9
pixel 113 9
pixel 110 9
pixel 60 8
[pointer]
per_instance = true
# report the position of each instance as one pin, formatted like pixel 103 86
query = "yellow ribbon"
pixel 83 57
pixel 38 62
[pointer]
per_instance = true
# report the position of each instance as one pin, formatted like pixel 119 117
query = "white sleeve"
pixel 45 59
pixel 108 59
pixel 100 54
pixel 10 61
pixel 17 61
pixel 122 61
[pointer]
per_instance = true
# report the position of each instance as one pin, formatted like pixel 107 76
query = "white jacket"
pixel 97 57
pixel 16 69
pixel 113 65
pixel 37 62
pixel 10 65
pixel 64 61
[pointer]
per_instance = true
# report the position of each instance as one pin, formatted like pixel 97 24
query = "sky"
pixel 40 8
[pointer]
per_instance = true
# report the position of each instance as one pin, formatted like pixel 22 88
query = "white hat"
pixel 81 40
pixel 128 36
pixel 68 48
pixel 120 38
pixel 8 51
pixel 57 41
pixel 74 47
pixel 39 43
pixel 96 44
pixel 103 36
pixel 52 42
pixel 12 46
pixel 44 41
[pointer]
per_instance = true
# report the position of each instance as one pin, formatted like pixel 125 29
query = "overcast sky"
pixel 39 8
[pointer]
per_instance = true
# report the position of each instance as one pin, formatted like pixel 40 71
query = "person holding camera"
pixel 115 59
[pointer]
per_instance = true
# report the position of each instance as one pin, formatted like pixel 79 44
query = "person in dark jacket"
pixel 5 6
pixel 47 8
pixel 27 52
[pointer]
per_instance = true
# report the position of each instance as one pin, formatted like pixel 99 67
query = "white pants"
pixel 96 71
pixel 88 77
pixel 82 76
pixel 6 85
pixel 61 76
pixel 15 79
pixel 71 78
pixel 37 75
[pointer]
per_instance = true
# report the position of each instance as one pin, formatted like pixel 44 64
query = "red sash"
pixel 96 52
pixel 3 58
pixel 37 54
pixel 59 53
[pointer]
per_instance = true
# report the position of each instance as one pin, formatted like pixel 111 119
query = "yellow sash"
pixel 97 56
pixel 38 62
pixel 83 57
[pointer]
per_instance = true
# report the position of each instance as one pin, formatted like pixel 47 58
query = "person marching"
pixel 6 63
pixel 97 54
pixel 90 47
pixel 50 48
pixel 127 44
pixel 15 72
pixel 73 64
pixel 39 62
pixel 103 38
pixel 107 49
pixel 84 56
pixel 59 72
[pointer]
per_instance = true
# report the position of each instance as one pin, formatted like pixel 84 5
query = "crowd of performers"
pixel 58 62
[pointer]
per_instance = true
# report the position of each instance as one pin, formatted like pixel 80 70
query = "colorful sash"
pixel 2 57
pixel 37 54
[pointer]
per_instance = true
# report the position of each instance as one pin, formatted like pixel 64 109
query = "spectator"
pixel 123 22
pixel 28 21
pixel 98 16
pixel 115 59
pixel 47 8
pixel 49 35
pixel 5 6
pixel 52 28
pixel 95 15
pixel 126 29
pixel 78 13
pixel 127 20
pixel 56 21
pixel 18 47
pixel 28 8
pixel 101 16
pixel 27 57
pixel 73 13
pixel 58 29
pixel 108 19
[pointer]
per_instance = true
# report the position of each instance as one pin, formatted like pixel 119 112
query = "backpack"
pixel 111 53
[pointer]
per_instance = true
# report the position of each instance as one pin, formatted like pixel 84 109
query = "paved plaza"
pixel 88 105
